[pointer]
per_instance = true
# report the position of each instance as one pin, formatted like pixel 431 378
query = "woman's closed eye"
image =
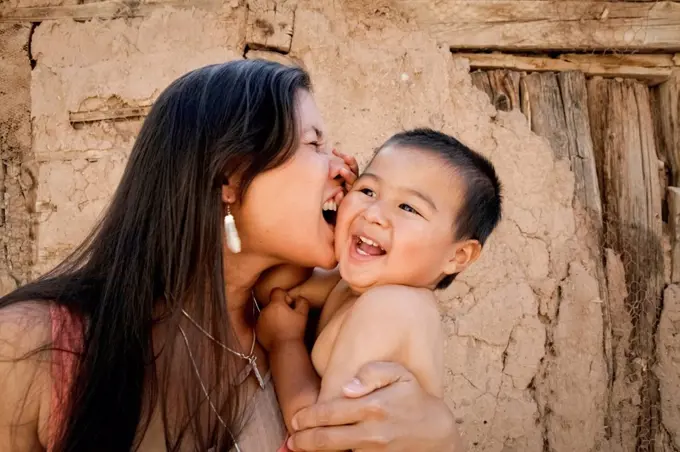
pixel 319 147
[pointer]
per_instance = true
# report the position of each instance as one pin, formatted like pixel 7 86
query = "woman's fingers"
pixel 376 375
pixel 360 407
pixel 339 412
pixel 332 413
pixel 388 411
pixel 355 437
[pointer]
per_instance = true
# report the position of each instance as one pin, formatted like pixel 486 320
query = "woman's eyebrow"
pixel 318 132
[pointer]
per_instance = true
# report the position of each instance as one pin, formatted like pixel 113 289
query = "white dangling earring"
pixel 233 240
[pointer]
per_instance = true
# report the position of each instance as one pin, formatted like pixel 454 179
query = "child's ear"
pixel 464 254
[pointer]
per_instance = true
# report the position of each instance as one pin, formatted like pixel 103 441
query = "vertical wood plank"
pixel 624 133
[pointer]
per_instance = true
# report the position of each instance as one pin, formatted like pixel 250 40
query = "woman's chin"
pixel 328 263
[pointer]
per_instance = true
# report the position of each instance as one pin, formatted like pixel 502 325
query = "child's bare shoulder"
pixel 399 300
pixel 386 323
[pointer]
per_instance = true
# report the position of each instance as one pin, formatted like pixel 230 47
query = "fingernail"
pixel 295 424
pixel 290 443
pixel 354 386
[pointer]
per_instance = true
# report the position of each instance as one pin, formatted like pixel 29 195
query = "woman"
pixel 143 338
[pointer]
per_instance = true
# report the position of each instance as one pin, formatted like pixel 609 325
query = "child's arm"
pixel 390 323
pixel 312 284
pixel 280 331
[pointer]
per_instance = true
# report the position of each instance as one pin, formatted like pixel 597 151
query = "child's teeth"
pixel 368 241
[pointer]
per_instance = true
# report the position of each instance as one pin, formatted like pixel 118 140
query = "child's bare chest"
pixel 338 305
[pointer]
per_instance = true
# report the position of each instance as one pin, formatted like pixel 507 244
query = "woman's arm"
pixel 384 409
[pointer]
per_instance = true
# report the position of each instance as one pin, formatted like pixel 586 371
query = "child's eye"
pixel 408 208
pixel 368 192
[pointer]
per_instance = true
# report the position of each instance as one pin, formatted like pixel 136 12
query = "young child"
pixel 416 217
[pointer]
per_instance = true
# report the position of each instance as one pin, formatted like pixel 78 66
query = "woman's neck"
pixel 241 272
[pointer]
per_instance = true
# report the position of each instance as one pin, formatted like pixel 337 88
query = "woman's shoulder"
pixel 24 327
pixel 25 330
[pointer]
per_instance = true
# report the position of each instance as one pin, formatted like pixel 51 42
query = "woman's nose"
pixel 335 166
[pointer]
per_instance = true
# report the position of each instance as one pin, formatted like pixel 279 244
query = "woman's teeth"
pixel 329 211
pixel 330 205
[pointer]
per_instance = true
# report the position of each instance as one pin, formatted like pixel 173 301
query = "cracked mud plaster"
pixel 73 193
pixel 16 181
pixel 512 318
pixel 97 65
pixel 85 66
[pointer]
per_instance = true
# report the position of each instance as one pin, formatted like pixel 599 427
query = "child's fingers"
pixel 302 306
pixel 349 160
pixel 349 176
pixel 338 198
pixel 279 295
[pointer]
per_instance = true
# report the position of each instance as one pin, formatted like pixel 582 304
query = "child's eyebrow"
pixel 422 196
pixel 410 191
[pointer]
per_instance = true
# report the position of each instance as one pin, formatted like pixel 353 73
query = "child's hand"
pixel 349 171
pixel 280 322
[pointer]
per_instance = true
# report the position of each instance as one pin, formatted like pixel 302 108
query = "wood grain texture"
pixel 557 25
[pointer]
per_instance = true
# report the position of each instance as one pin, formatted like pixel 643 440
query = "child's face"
pixel 396 226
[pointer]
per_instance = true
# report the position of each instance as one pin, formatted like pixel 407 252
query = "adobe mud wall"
pixel 17 174
pixel 526 367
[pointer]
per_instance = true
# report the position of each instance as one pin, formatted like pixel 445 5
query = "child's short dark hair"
pixel 481 208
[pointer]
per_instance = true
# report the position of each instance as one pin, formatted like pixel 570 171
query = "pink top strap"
pixel 67 342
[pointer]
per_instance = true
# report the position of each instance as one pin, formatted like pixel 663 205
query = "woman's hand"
pixel 385 410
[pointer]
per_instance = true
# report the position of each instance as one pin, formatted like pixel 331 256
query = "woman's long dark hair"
pixel 159 248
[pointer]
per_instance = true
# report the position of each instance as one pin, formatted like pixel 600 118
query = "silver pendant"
pixel 253 365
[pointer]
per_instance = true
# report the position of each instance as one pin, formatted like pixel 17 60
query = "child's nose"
pixel 376 215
